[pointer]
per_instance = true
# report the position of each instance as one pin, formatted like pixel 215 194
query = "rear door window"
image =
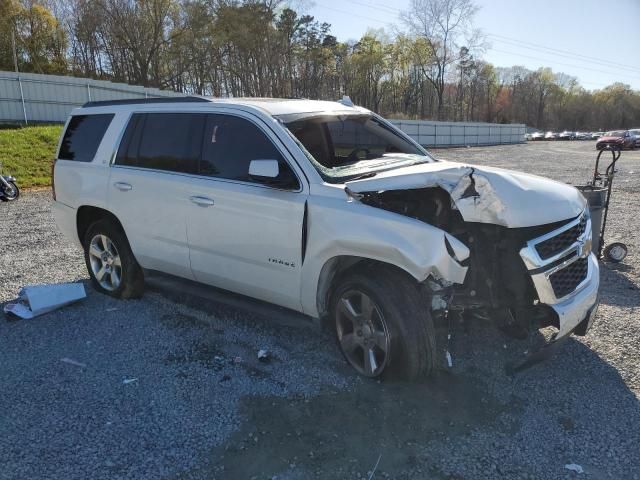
pixel 163 141
pixel 230 143
pixel 83 136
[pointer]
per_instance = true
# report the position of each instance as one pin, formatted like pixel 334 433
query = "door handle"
pixel 202 201
pixel 122 186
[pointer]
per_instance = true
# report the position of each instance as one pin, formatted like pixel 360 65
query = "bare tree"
pixel 446 26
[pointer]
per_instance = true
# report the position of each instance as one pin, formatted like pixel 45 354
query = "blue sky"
pixel 597 41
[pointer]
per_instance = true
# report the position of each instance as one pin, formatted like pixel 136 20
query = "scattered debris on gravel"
pixel 151 388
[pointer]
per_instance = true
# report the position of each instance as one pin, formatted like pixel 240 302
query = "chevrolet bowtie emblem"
pixel 584 247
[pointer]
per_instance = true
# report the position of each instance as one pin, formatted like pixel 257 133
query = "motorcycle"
pixel 8 189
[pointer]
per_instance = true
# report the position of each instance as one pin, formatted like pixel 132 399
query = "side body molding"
pixel 338 227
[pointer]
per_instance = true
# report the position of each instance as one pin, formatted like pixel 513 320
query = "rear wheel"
pixel 383 324
pixel 112 267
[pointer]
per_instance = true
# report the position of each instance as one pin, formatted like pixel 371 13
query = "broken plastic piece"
pixel 449 359
pixel 71 361
pixel 263 355
pixel 127 381
pixel 574 467
pixel 34 300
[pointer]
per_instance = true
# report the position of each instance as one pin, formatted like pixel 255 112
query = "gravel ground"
pixel 202 406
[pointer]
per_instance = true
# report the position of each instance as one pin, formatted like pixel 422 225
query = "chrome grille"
pixel 566 280
pixel 562 241
pixel 558 261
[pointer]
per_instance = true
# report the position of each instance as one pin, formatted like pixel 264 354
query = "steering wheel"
pixel 354 153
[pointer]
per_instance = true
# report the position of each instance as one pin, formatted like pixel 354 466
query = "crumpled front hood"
pixel 485 194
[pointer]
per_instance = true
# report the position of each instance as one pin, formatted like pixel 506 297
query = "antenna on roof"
pixel 346 101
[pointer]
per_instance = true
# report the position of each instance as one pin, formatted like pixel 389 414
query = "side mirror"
pixel 264 170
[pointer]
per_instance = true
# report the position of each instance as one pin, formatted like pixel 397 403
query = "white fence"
pixel 460 134
pixel 34 98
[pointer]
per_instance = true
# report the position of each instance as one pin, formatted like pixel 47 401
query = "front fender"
pixel 338 227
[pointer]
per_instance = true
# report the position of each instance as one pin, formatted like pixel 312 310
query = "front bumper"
pixel 582 305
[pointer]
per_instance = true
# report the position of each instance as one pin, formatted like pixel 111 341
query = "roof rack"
pixel 136 101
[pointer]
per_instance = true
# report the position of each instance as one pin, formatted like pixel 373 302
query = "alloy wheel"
pixel 105 262
pixel 362 333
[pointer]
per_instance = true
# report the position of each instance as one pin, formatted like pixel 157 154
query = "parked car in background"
pixel 583 136
pixel 527 136
pixel 596 135
pixel 635 133
pixel 551 136
pixel 567 135
pixel 620 139
pixel 537 136
pixel 325 208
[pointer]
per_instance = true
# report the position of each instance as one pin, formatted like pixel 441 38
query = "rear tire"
pixel 397 337
pixel 111 264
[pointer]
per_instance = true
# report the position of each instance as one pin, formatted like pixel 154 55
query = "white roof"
pixel 284 106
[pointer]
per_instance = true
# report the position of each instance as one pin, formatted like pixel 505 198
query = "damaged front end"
pixel 530 263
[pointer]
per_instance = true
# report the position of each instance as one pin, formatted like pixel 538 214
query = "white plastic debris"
pixel 574 467
pixel 263 355
pixel 127 381
pixel 71 361
pixel 34 300
pixel 449 359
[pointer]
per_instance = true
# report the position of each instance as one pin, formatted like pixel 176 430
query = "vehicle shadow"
pixel 444 426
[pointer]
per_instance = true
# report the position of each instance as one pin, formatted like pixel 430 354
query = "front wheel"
pixel 112 267
pixel 10 192
pixel 383 324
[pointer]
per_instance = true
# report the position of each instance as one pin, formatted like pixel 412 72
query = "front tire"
pixel 112 267
pixel 383 324
pixel 11 194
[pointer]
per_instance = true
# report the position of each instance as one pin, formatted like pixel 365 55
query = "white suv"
pixel 327 209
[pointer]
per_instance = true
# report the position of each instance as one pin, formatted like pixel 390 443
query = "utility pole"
pixel 15 53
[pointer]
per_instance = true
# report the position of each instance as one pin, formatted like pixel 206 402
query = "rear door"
pixel 244 235
pixel 149 187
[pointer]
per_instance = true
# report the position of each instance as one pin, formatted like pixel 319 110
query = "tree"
pixel 267 48
pixel 9 11
pixel 40 42
pixel 444 25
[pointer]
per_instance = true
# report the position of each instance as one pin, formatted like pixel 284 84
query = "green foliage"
pixel 27 153
pixel 40 41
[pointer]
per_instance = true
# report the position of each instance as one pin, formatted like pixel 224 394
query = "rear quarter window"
pixel 83 136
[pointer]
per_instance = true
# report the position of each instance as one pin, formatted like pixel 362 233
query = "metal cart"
pixel 598 194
